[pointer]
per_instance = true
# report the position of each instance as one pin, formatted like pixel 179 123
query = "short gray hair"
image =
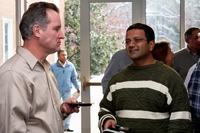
pixel 36 14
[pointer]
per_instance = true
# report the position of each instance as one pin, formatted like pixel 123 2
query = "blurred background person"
pixel 187 57
pixel 66 76
pixel 162 52
pixel 192 83
pixel 118 62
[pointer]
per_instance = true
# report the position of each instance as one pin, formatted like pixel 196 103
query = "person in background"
pixel 66 76
pixel 186 57
pixel 162 52
pixel 192 83
pixel 118 62
pixel 147 96
pixel 29 98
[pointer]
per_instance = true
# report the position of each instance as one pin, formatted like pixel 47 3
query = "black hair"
pixel 149 33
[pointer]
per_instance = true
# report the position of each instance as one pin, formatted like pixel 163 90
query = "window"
pixel 170 19
pixel 164 18
pixel 192 14
pixel 7 39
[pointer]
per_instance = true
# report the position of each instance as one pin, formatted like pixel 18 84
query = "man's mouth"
pixel 133 50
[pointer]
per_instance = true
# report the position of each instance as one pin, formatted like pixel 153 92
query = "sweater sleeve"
pixel 107 108
pixel 179 109
pixel 74 78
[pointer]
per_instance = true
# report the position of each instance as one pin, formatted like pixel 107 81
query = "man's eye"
pixel 127 41
pixel 137 40
pixel 57 29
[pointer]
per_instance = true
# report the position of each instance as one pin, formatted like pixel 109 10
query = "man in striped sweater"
pixel 147 96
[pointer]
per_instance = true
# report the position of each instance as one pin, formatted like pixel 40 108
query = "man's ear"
pixel 187 40
pixel 151 45
pixel 36 30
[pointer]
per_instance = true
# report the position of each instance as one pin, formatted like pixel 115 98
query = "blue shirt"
pixel 193 90
pixel 66 76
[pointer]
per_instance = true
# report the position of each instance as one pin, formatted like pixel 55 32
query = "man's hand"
pixel 67 109
pixel 109 123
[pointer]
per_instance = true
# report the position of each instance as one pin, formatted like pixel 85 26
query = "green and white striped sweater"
pixel 148 99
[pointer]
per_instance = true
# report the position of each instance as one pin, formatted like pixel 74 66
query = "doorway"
pixel 93 93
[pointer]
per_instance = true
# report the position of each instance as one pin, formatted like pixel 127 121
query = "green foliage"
pixel 102 44
pixel 72 31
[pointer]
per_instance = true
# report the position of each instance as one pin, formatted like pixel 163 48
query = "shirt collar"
pixel 63 64
pixel 190 51
pixel 30 58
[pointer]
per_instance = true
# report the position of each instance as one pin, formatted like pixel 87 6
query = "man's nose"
pixel 61 35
